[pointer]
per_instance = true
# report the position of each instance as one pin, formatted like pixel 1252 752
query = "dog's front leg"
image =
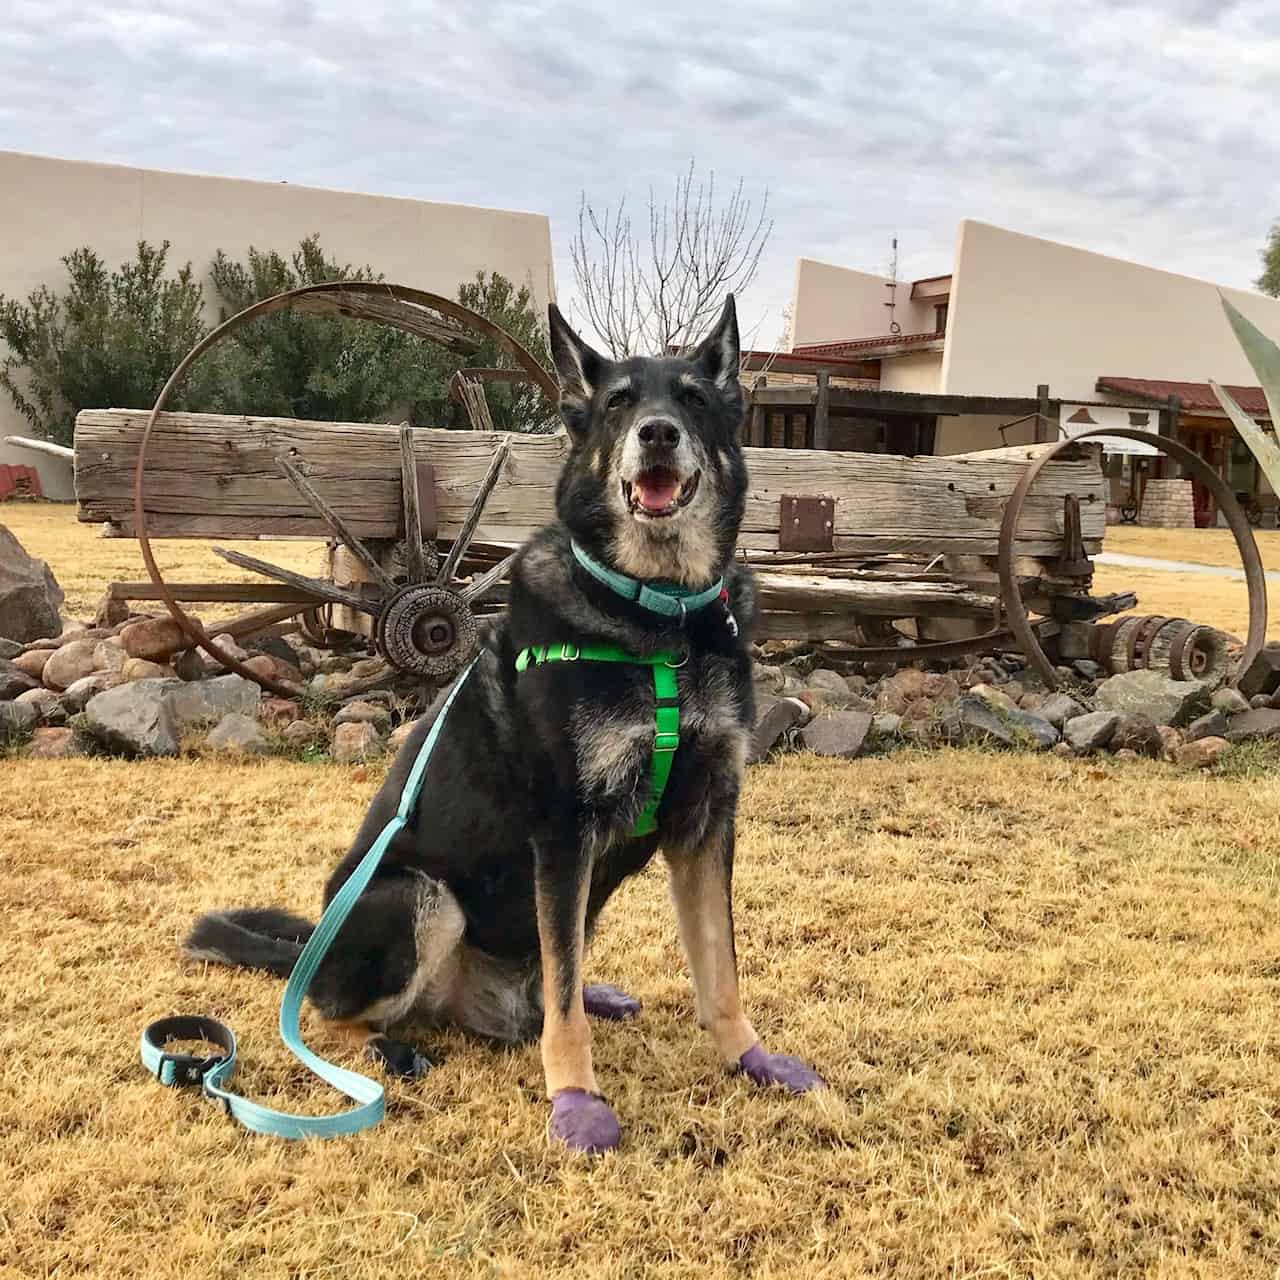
pixel 580 1117
pixel 701 885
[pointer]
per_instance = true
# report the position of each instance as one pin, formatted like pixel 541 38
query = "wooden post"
pixel 1043 430
pixel 756 429
pixel 822 406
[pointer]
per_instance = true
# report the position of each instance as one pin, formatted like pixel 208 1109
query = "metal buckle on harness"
pixel 187 1068
pixel 570 653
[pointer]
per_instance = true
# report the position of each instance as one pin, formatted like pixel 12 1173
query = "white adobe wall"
pixel 51 207
pixel 1025 311
pixel 829 303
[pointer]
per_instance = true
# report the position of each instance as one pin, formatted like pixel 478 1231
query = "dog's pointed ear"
pixel 578 370
pixel 718 353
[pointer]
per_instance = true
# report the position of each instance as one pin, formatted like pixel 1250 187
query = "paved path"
pixel 1121 560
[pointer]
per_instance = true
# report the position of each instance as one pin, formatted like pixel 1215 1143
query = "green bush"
pixel 110 340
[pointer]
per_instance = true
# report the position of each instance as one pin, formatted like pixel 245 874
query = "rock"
pixel 1057 709
pixel 767 679
pixel 899 690
pixel 1201 753
pixel 111 612
pixel 1264 723
pixel 773 722
pixel 135 718
pixel 155 639
pixel 401 735
pixel 1127 753
pixel 280 711
pixel 364 713
pixel 29 596
pixel 1035 701
pixel 1258 700
pixel 1092 731
pixel 856 684
pixel 53 744
pixel 1170 740
pixel 1087 669
pixel 994 697
pixel 354 741
pixel 207 701
pixel 72 662
pixel 840 734
pixel 1139 734
pixel 9 648
pixel 109 657
pixel 14 681
pixel 818 700
pixel 334 663
pixel 302 733
pixel 48 705
pixel 238 733
pixel 1015 691
pixel 1231 701
pixel 16 719
pixel 791 684
pixel 33 663
pixel 1213 725
pixel 269 668
pixel 1262 675
pixel 1062 749
pixel 941 687
pixel 822 678
pixel 76 696
pixel 980 721
pixel 367 667
pixel 279 648
pixel 141 669
pixel 919 711
pixel 226 645
pixel 1155 696
pixel 887 725
pixel 188 665
pixel 48 643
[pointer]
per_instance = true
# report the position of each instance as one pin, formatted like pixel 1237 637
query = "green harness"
pixel 666 709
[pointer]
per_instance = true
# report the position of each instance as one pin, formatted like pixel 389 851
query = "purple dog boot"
pixel 603 1001
pixel 584 1122
pixel 778 1068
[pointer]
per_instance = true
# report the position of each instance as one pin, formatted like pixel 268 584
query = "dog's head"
pixel 655 482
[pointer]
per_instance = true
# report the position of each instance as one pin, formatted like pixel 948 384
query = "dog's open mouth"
pixel 659 491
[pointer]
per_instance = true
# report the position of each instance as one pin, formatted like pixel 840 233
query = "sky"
pixel 1149 131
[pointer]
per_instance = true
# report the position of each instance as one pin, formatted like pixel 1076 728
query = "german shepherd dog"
pixel 480 911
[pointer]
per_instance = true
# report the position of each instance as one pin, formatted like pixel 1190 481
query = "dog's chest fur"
pixel 614 745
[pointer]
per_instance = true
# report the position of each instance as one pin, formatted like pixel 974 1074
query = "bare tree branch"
pixel 653 293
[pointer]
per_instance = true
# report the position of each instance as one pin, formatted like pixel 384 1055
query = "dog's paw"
pixel 398 1058
pixel 584 1122
pixel 603 1001
pixel 778 1068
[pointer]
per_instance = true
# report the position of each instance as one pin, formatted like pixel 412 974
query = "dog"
pixel 480 911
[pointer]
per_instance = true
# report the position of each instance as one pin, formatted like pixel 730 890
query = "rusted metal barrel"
pixel 1173 646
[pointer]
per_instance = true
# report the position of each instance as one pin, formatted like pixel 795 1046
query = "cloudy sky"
pixel 1151 131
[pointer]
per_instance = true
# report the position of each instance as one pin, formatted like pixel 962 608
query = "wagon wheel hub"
pixel 428 630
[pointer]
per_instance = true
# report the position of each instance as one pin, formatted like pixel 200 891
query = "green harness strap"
pixel 666 709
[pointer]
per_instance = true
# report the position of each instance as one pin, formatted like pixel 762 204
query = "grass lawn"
pixel 1044 993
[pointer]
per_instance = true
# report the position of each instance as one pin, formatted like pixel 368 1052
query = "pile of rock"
pixel 996 701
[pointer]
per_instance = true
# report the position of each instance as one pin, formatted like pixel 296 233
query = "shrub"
pixel 110 340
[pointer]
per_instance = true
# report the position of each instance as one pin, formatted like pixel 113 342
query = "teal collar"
pixel 658 597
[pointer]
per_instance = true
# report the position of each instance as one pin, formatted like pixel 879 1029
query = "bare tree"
pixel 644 295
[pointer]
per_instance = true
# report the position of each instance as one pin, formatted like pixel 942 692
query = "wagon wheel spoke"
pixel 468 530
pixel 321 590
pixel 414 554
pixel 335 522
pixel 485 583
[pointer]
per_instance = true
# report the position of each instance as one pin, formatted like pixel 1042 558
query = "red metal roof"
pixel 849 347
pixel 1195 396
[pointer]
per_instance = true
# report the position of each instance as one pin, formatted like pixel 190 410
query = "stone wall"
pixel 1168 504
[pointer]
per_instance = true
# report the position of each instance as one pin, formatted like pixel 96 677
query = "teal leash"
pixel 213 1073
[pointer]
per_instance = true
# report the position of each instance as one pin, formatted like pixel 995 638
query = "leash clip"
pixel 187 1069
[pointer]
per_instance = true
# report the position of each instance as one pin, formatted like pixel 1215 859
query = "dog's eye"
pixel 618 399
pixel 693 396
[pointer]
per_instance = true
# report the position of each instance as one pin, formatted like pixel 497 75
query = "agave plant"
pixel 1264 355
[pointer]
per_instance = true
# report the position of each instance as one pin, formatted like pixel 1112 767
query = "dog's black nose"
pixel 659 432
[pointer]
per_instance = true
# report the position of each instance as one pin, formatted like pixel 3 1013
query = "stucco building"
pixel 54 206
pixel 1039 335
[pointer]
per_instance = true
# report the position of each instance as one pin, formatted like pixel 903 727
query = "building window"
pixel 940 318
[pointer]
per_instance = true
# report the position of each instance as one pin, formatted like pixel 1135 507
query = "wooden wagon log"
pixel 795 593
pixel 210 476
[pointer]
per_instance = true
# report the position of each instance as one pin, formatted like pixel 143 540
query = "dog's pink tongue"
pixel 656 490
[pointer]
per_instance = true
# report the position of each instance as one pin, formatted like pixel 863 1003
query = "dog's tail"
pixel 249 938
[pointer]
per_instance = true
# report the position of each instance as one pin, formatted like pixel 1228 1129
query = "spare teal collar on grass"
pixel 666 598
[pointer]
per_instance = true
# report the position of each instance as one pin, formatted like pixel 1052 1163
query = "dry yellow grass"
pixel 84 562
pixel 1044 994
pixel 1198 546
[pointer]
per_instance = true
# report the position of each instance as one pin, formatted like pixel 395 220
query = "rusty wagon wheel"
pixel 423 621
